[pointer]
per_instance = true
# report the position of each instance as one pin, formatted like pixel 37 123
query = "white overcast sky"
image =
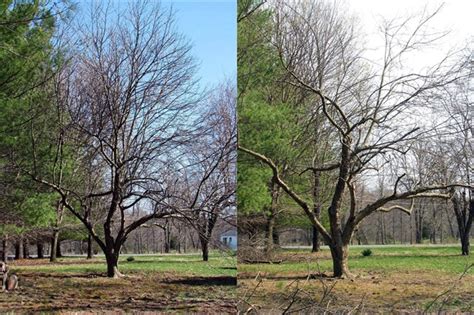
pixel 456 16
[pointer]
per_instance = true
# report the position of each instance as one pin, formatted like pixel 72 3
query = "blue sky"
pixel 210 25
pixel 212 28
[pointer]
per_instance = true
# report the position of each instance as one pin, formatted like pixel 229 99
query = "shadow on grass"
pixel 65 275
pixel 205 281
pixel 123 306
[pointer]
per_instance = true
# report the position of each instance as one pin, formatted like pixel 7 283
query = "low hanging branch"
pixel 289 191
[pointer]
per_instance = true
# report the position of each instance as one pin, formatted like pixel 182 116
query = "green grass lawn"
pixel 397 258
pixel 186 265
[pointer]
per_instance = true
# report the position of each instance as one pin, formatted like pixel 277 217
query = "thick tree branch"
pixel 289 191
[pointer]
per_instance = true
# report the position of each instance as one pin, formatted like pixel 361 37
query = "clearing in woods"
pixel 403 279
pixel 174 283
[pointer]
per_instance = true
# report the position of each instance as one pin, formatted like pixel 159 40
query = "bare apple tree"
pixel 205 192
pixel 129 104
pixel 456 147
pixel 369 106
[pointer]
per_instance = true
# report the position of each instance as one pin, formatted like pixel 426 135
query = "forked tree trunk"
pixel 111 249
pixel 340 255
pixel 112 264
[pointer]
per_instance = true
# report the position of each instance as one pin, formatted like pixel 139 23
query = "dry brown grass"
pixel 385 292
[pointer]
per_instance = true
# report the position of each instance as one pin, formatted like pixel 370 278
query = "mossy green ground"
pixel 155 283
pixel 392 279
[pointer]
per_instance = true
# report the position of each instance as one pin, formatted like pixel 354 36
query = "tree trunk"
pixel 89 246
pixel 26 248
pixel 55 238
pixel 393 228
pixel 338 247
pixel 185 244
pixel 434 225
pixel 58 249
pixel 275 193
pixel 167 237
pixel 465 244
pixel 448 217
pixel 419 225
pixel 112 264
pixel 316 246
pixel 464 211
pixel 18 250
pixel 401 230
pixel 340 254
pixel 4 249
pixel 315 241
pixel 54 245
pixel 269 233
pixel 381 229
pixel 205 248
pixel 167 244
pixel 276 237
pixel 441 227
pixel 40 249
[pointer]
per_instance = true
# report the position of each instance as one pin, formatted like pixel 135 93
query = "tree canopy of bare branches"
pixel 128 103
